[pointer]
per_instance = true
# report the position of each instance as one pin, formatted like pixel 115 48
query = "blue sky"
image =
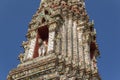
pixel 15 16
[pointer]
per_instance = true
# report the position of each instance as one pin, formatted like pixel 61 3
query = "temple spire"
pixel 61 44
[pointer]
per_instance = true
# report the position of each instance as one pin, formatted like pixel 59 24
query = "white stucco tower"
pixel 61 44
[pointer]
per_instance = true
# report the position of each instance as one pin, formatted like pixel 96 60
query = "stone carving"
pixel 21 57
pixel 33 34
pixel 43 48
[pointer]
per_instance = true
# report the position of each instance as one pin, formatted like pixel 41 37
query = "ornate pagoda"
pixel 61 44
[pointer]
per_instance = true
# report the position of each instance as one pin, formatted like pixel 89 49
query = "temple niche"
pixel 41 42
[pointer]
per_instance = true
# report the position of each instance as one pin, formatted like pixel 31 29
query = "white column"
pixel 58 43
pixel 64 38
pixel 80 47
pixel 31 48
pixel 69 34
pixel 51 40
pixel 87 56
pixel 75 47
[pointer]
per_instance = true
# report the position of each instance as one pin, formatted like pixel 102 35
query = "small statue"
pixel 40 43
pixel 21 56
pixel 25 44
pixel 43 48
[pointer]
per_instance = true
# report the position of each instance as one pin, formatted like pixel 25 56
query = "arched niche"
pixel 42 36
pixel 43 20
pixel 46 12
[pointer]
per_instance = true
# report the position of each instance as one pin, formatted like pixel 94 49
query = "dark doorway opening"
pixel 43 33
pixel 43 20
pixel 92 49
